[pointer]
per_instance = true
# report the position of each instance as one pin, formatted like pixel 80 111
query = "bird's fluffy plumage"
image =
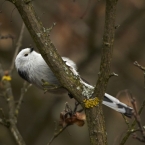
pixel 32 67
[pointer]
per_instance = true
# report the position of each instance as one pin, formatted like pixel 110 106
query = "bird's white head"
pixel 24 57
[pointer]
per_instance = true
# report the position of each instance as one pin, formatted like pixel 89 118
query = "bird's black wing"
pixel 24 75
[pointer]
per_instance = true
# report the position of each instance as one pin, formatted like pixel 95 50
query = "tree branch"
pixel 13 110
pixel 12 118
pixel 107 49
pixel 41 37
pixel 11 121
pixel 97 130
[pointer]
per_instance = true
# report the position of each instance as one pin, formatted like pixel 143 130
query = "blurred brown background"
pixel 77 35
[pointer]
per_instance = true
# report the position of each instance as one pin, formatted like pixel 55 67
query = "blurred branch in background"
pixel 25 88
pixel 7 91
pixel 142 68
pixel 131 127
pixel 93 50
pixel 128 22
pixel 11 121
pixel 85 12
pixel 18 45
pixel 6 36
pixel 91 47
pixel 137 120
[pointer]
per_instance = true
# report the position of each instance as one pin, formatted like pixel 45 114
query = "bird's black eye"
pixel 26 54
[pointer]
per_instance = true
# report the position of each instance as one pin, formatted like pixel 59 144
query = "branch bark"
pixel 97 130
pixel 107 49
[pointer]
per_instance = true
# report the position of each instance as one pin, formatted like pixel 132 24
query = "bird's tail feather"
pixel 117 105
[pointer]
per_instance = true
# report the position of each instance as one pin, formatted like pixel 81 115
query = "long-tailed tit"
pixel 32 67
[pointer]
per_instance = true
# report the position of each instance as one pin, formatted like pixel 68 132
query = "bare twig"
pixel 139 66
pixel 85 12
pixel 6 36
pixel 141 108
pixel 12 119
pixel 23 91
pixel 129 21
pixel 76 106
pixel 138 138
pixel 135 130
pixel 4 123
pixel 68 117
pixel 138 120
pixel 3 120
pixel 113 74
pixel 142 68
pixel 129 132
pixel 126 121
pixel 56 134
pixel 3 115
pixel 18 45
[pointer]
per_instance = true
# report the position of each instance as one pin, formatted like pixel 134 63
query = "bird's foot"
pixel 47 86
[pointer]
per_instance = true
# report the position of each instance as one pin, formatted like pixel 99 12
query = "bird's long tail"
pixel 115 104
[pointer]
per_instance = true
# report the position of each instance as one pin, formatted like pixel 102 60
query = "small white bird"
pixel 32 67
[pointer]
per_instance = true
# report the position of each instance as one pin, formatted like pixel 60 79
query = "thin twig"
pixel 76 106
pixel 23 91
pixel 137 118
pixel 68 117
pixel 138 138
pixel 129 132
pixel 56 134
pixel 139 66
pixel 113 74
pixel 85 12
pixel 19 44
pixel 12 119
pixel 3 120
pixel 135 130
pixel 126 121
pixel 6 124
pixel 3 116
